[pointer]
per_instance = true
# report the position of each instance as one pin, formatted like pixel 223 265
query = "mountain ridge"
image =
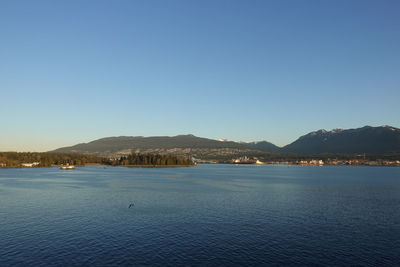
pixel 180 144
pixel 367 139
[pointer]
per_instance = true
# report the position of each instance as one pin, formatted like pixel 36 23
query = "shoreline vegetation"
pixel 154 166
pixel 48 159
pixel 45 159
pixel 150 160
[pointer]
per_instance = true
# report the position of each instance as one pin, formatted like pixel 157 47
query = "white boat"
pixel 67 167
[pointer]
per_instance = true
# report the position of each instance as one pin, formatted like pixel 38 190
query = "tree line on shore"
pixel 135 159
pixel 43 159
pixel 18 159
pixel 47 159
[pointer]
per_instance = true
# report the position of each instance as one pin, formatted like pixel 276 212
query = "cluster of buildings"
pixel 391 163
pixel 319 162
pixel 313 162
pixel 365 162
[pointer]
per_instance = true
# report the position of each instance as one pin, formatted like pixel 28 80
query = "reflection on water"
pixel 206 215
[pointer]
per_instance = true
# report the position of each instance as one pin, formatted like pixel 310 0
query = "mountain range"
pixel 371 140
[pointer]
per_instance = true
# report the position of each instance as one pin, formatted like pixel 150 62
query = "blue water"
pixel 209 215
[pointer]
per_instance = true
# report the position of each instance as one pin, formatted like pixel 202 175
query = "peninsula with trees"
pixel 150 160
pixel 35 159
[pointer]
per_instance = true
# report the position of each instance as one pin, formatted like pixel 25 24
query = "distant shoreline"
pixel 154 166
pixel 180 166
pixel 103 165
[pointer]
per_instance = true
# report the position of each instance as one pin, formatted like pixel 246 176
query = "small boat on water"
pixel 67 167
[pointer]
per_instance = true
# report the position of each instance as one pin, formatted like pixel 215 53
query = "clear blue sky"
pixel 75 71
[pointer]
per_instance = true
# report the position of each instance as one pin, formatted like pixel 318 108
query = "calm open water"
pixel 210 215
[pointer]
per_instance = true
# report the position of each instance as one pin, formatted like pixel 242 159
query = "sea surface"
pixel 209 215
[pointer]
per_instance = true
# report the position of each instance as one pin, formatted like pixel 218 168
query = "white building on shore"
pixel 30 165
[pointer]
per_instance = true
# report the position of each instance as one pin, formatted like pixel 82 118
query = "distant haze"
pixel 75 71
